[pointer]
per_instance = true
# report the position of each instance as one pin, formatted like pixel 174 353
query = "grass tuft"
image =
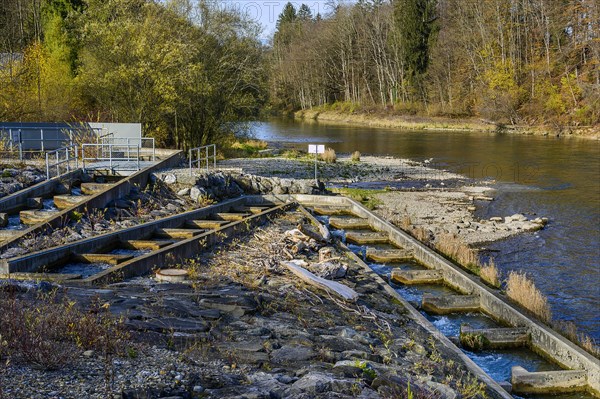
pixel 523 291
pixel 356 156
pixel 458 250
pixel 329 156
pixel 490 274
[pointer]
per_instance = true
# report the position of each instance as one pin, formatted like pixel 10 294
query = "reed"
pixel 523 291
pixel 329 156
pixel 458 250
pixel 490 274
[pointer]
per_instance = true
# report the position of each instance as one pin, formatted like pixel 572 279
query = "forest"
pixel 189 70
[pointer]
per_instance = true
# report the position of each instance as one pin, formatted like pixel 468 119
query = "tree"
pixel 415 21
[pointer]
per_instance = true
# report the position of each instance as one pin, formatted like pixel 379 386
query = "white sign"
pixel 316 149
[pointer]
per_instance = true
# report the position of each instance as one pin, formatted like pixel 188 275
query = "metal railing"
pixel 199 155
pixel 61 156
pixel 112 153
pixel 146 144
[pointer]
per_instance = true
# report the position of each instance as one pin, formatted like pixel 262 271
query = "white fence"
pixel 120 156
pixel 61 159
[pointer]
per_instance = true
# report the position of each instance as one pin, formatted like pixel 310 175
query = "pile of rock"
pixel 14 179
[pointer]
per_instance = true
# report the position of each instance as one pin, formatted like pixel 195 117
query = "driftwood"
pixel 325 234
pixel 333 287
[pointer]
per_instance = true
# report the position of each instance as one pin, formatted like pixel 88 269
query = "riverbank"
pixel 413 122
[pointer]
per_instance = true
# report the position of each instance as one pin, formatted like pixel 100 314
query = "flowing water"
pixel 545 176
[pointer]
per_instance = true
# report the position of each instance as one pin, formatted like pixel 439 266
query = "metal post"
pixel 110 155
pixel 316 161
pixel 207 159
pixel 215 156
pixel 57 163
pixel 76 159
pixel 68 159
pixel 10 140
pixel 198 159
pixel 138 157
pixel 153 149
pixel 20 146
pixel 190 159
pixel 47 168
pixel 42 138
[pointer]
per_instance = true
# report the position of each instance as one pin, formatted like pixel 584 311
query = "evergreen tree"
pixel 415 21
pixel 304 13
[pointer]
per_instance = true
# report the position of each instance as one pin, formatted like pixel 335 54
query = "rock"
pixel 315 383
pixel 444 391
pixel 289 354
pixel 325 254
pixel 3 219
pixel 329 270
pixel 88 353
pixel 183 192
pixel 517 217
pixel 496 219
pixel 198 388
pixel 170 178
pixel 197 193
pixel 62 188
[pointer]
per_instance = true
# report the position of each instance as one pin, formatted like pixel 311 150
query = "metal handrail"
pixel 111 155
pixel 131 140
pixel 198 160
pixel 67 160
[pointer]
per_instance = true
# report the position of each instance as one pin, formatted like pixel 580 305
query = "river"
pixel 558 178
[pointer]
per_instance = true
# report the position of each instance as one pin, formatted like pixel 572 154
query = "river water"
pixel 558 178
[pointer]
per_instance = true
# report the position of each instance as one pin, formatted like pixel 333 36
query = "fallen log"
pixel 333 287
pixel 323 230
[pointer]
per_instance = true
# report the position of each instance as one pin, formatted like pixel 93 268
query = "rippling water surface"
pixel 558 178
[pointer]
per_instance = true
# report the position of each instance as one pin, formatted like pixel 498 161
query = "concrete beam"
pixel 178 233
pixel 230 217
pixel 94 188
pixel 413 277
pixel 548 382
pixel 328 210
pixel 374 237
pixel 67 201
pixel 493 338
pixel 389 255
pixel 206 224
pixel 348 223
pixel 36 217
pixel 450 303
pixel 110 259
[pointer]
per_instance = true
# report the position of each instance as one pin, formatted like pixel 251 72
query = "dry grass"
pixel 523 291
pixel 329 155
pixel 569 330
pixel 490 274
pixel 458 250
pixel 356 156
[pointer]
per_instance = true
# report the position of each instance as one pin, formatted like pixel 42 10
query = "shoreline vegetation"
pixel 337 115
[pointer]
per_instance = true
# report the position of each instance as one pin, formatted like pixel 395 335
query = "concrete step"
pixel 231 217
pixel 146 244
pixel 178 233
pixel 548 382
pixel 331 210
pixel 374 237
pixel 206 224
pixel 111 259
pixel 413 277
pixel 94 188
pixel 389 255
pixel 35 217
pixel 251 209
pixel 67 201
pixel 493 338
pixel 348 223
pixel 450 303
pixel 35 203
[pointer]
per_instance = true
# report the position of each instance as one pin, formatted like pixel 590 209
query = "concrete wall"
pixel 543 338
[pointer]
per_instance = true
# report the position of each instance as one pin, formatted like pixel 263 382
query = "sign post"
pixel 316 149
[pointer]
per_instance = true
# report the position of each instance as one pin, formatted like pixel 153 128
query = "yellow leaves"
pixel 501 76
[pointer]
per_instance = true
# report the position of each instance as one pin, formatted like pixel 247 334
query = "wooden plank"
pixel 232 217
pixel 333 287
pixel 111 259
pixel 146 244
pixel 177 233
pixel 206 224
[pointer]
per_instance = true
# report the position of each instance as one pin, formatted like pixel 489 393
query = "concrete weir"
pixel 553 382
pixel 450 303
pixel 493 338
pixel 411 277
pixel 542 339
